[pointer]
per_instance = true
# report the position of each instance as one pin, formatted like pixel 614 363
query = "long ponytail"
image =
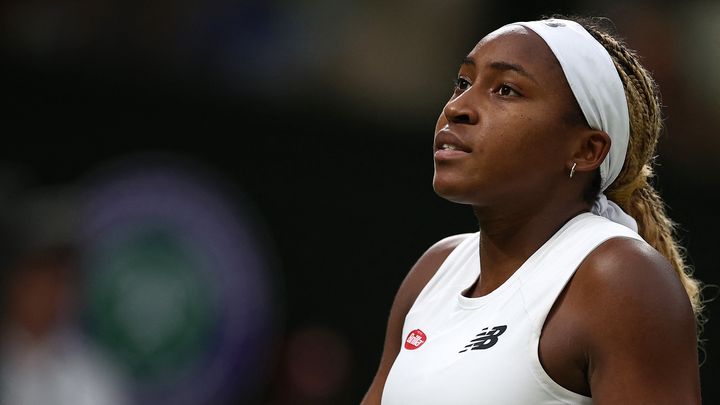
pixel 633 189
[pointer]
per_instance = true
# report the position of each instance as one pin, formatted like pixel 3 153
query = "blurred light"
pixel 701 48
pixel 179 285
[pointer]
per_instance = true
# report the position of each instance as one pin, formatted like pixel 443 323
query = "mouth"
pixel 448 145
pixel 447 152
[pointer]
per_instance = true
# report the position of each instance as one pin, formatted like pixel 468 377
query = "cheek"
pixel 538 139
pixel 522 149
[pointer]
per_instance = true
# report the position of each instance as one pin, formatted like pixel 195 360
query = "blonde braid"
pixel 632 189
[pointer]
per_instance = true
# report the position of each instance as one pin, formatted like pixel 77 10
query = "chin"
pixel 450 190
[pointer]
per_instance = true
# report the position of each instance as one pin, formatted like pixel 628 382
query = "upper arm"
pixel 641 332
pixel 423 270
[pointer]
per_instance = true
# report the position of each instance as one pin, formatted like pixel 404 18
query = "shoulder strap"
pixel 453 272
pixel 559 259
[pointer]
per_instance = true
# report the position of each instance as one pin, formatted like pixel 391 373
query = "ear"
pixel 590 150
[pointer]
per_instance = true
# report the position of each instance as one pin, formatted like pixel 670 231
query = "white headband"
pixel 597 87
pixel 595 82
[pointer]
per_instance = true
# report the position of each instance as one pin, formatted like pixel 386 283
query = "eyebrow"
pixel 502 66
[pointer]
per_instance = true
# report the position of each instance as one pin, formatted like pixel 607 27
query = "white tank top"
pixel 484 350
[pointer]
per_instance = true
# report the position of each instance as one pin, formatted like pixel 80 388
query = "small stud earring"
pixel 572 169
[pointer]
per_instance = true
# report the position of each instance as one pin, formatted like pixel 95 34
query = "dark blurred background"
pixel 214 202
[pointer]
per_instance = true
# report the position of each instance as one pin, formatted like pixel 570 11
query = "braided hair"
pixel 633 190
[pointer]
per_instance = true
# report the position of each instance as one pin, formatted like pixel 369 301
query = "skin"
pixel 623 330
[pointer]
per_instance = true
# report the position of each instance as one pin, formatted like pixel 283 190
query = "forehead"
pixel 520 45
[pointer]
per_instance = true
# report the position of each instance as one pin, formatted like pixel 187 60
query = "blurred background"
pixel 214 202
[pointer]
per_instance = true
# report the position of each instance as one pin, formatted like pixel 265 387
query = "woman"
pixel 565 296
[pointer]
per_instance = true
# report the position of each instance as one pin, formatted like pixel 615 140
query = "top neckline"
pixel 478 302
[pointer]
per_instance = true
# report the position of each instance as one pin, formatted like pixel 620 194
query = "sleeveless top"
pixel 484 350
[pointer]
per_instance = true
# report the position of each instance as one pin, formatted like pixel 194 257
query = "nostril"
pixel 460 110
pixel 461 119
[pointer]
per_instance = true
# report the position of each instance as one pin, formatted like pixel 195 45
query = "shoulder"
pixel 625 268
pixel 635 321
pixel 423 270
pixel 426 267
pixel 630 276
pixel 438 252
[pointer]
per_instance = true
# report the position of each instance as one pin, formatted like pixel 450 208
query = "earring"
pixel 572 169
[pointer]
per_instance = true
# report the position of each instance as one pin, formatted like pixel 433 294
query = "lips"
pixel 446 140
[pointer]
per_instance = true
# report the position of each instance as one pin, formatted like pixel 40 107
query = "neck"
pixel 511 234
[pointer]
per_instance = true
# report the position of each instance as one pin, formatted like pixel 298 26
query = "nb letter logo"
pixel 485 339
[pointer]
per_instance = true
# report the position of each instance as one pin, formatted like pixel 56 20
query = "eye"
pixel 506 90
pixel 461 83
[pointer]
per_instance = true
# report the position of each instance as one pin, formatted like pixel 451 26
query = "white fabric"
pixel 509 372
pixel 596 84
pixel 610 210
pixel 599 91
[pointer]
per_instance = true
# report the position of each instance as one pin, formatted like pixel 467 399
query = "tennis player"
pixel 574 290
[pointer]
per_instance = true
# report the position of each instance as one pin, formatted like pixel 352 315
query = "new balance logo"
pixel 485 339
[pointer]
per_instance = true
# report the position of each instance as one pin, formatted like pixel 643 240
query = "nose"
pixel 461 109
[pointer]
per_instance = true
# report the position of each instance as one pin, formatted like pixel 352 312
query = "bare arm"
pixel 414 282
pixel 641 337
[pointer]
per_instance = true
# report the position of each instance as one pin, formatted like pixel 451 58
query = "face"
pixel 505 133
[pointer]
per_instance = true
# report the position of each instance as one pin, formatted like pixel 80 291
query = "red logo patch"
pixel 415 339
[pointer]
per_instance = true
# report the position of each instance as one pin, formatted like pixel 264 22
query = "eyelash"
pixel 506 86
pixel 461 81
pixel 462 84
